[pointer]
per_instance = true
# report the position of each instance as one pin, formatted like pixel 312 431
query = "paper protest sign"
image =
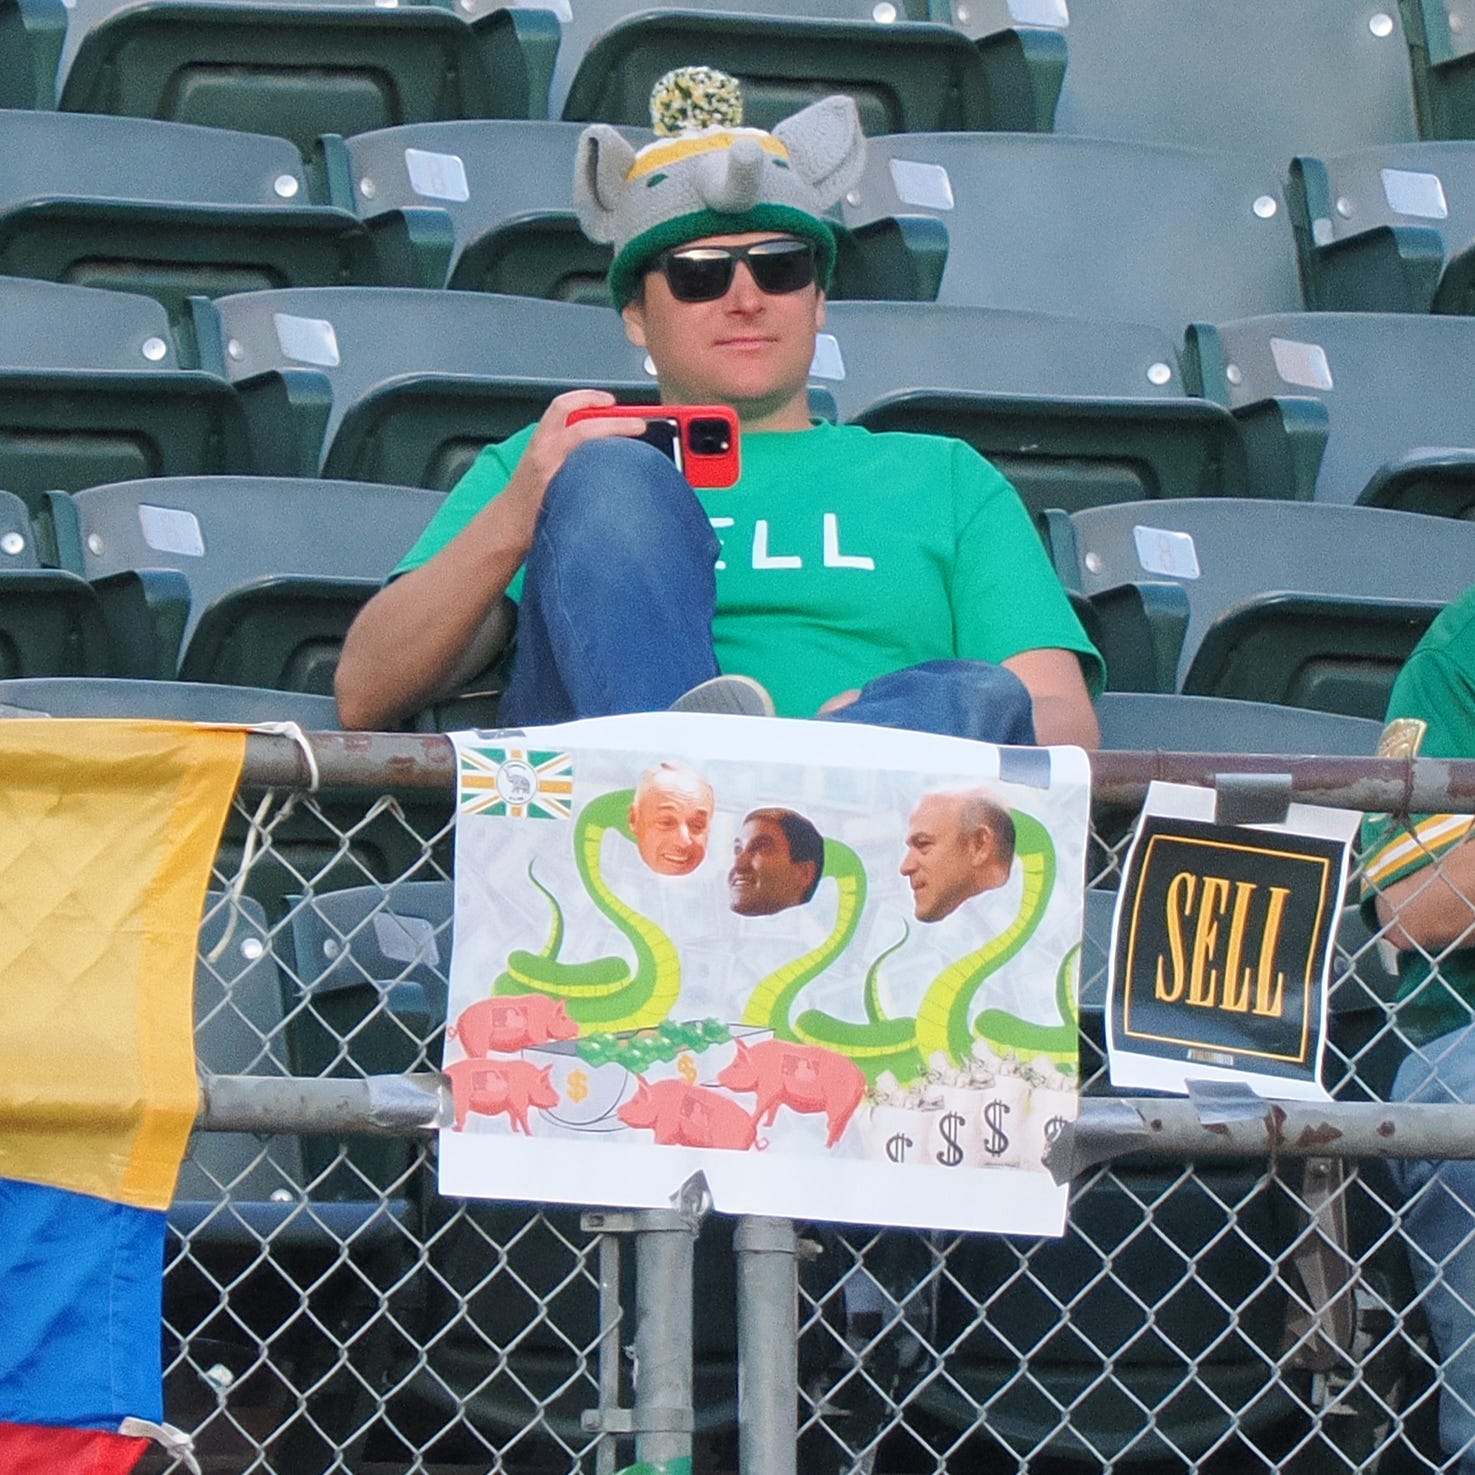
pixel 831 966
pixel 1221 947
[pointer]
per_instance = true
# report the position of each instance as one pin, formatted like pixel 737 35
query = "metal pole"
pixel 665 1263
pixel 768 1345
pixel 426 762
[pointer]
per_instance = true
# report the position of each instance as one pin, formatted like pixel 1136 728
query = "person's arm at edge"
pixel 435 626
pixel 1057 688
pixel 1434 908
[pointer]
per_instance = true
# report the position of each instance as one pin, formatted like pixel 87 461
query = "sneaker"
pixel 733 696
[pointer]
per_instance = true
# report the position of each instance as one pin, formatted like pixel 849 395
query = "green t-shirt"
pixel 1431 714
pixel 847 554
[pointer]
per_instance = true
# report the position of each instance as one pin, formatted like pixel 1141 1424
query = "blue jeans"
pixel 617 606
pixel 1439 1225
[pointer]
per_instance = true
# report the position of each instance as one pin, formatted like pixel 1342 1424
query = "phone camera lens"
pixel 710 437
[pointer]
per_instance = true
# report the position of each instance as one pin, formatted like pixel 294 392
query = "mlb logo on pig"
pixel 516 783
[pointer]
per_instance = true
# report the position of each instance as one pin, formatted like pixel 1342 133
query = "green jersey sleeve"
pixel 1006 597
pixel 488 475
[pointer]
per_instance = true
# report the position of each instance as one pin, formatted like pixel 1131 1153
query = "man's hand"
pixel 552 443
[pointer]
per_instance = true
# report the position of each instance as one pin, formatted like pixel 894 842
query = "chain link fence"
pixel 1229 1296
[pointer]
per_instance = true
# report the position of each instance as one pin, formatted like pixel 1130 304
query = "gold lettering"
pixel 1178 905
pixel 1203 981
pixel 1237 980
pixel 1270 995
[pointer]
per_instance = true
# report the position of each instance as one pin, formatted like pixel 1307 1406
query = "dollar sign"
pixel 949 1124
pixel 687 1070
pixel 1054 1127
pixel 578 1086
pixel 896 1146
pixel 998 1140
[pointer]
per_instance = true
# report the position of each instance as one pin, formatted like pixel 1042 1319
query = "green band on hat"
pixel 632 261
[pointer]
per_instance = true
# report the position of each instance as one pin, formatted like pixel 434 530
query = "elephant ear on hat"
pixel 603 160
pixel 826 145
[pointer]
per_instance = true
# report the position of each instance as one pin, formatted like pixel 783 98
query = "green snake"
pixel 604 994
pixel 904 1046
pixel 609 994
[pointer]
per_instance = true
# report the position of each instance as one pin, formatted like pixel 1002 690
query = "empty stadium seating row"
pixel 234 580
pixel 404 385
pixel 1135 231
pixel 1267 78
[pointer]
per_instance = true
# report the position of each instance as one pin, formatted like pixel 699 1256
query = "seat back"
pixel 299 70
pixel 1147 721
pixel 373 964
pixel 50 620
pixel 901 74
pixel 1395 394
pixel 1319 607
pixel 276 568
pixel 1387 228
pixel 1087 227
pixel 92 390
pixel 1073 411
pixel 482 204
pixel 165 209
pixel 391 384
pixel 1261 77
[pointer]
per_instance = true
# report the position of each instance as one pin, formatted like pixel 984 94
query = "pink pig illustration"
pixel 488 1087
pixel 688 1116
pixel 804 1077
pixel 512 1022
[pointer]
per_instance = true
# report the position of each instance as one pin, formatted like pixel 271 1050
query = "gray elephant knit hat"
pixel 707 175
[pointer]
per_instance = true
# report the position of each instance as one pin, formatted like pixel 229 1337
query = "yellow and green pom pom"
pixel 692 98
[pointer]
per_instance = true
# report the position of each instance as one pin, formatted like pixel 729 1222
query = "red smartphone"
pixel 702 440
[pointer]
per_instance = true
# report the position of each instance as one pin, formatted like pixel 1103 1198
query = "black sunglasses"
pixel 704 273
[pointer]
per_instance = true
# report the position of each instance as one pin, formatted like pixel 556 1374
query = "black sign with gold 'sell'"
pixel 1222 944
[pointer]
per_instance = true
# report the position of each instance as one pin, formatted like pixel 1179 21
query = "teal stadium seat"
pixel 904 74
pixel 166 210
pixel 94 389
pixel 1387 229
pixel 1074 411
pixel 273 570
pixel 1149 721
pixel 399 385
pixel 1318 606
pixel 52 622
pixel 295 69
pixel 1144 233
pixel 1258 77
pixel 1372 408
pixel 486 205
pixel 1441 38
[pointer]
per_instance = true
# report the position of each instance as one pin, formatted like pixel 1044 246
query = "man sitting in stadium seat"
pixel 1420 880
pixel 887 578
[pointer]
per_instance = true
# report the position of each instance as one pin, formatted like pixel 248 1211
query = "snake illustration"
pixel 943 1023
pixel 903 1046
pixel 605 994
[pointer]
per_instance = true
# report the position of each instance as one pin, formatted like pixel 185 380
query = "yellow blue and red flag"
pixel 107 834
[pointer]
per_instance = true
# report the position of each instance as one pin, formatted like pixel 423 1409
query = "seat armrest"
pixel 145 611
pixel 1025 70
pixel 32 33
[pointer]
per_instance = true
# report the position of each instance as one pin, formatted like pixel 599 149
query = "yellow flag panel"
pixel 107 834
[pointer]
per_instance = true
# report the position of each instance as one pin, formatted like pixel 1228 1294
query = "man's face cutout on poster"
pixel 959 844
pixel 778 858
